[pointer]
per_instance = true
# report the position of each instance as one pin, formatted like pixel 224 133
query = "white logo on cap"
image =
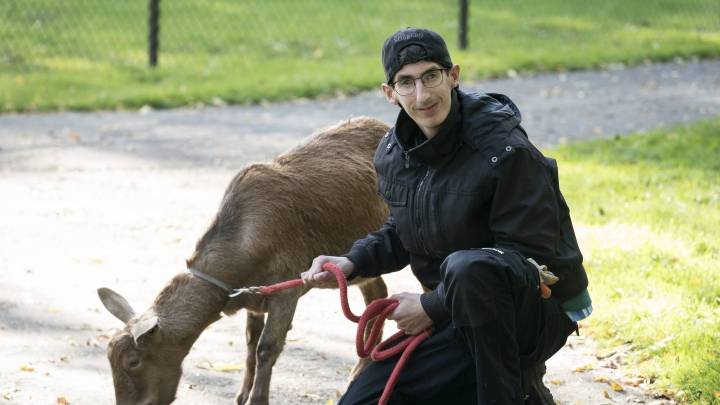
pixel 401 36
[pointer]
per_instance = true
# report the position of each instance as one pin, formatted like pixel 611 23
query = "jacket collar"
pixel 429 151
pixel 484 113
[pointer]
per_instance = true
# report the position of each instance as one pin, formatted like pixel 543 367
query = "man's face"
pixel 428 107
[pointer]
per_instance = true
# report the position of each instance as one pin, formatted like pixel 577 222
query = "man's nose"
pixel 419 90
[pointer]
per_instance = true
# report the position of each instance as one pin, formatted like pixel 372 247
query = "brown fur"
pixel 273 220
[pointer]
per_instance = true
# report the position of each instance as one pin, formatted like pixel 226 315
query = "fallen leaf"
pixel 205 365
pixel 717 394
pixel 613 384
pixel 311 396
pixel 612 363
pixel 605 394
pixel 74 136
pixel 605 355
pixel 223 367
pixel 557 382
pixel 634 382
pixel 62 401
pixel 584 368
pixel 616 387
pixel 27 368
pixel 330 402
pixel 664 394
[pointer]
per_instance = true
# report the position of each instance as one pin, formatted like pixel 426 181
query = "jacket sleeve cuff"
pixel 361 260
pixel 434 308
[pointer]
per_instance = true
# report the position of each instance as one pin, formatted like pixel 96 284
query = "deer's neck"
pixel 187 305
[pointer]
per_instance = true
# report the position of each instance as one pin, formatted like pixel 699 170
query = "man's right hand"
pixel 315 275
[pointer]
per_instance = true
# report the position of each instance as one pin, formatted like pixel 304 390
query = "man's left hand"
pixel 409 314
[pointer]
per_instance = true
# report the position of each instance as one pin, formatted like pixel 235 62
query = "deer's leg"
pixel 253 329
pixel 281 309
pixel 371 290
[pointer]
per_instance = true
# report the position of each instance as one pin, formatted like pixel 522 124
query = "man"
pixel 475 209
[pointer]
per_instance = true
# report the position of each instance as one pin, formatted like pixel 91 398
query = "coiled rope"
pixel 376 311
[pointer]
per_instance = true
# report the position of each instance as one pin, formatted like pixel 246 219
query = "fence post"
pixel 462 26
pixel 153 31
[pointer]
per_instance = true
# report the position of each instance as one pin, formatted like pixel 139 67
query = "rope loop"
pixel 374 318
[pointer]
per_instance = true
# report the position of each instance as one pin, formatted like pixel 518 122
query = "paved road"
pixel 118 199
pixel 556 108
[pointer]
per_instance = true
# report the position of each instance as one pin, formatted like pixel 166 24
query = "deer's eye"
pixel 132 363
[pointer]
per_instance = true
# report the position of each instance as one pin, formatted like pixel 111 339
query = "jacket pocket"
pixel 394 194
pixel 456 220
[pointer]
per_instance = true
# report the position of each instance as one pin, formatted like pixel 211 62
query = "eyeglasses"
pixel 406 86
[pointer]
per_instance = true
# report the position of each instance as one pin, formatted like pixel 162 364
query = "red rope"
pixel 378 310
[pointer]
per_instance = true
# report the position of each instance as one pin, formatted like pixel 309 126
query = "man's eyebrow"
pixel 410 77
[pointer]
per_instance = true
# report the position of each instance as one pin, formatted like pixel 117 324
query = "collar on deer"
pixel 232 292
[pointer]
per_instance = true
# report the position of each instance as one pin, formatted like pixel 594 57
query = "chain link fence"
pixel 200 32
pixel 252 50
pixel 37 33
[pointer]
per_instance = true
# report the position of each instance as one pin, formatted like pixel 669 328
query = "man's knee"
pixel 473 267
pixel 473 280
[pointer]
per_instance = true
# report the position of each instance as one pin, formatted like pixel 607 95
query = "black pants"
pixel 500 325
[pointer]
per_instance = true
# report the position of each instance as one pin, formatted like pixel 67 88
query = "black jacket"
pixel 478 183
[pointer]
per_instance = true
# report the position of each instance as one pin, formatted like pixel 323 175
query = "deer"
pixel 274 218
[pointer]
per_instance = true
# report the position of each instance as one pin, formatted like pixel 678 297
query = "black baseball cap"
pixel 430 47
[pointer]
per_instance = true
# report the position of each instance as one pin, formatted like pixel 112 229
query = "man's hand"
pixel 410 315
pixel 315 275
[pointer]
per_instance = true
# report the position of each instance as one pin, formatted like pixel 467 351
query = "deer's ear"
pixel 146 325
pixel 116 304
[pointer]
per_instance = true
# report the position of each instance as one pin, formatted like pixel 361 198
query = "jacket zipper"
pixel 418 204
pixel 419 211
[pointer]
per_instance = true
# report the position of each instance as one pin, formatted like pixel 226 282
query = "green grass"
pixel 91 54
pixel 647 210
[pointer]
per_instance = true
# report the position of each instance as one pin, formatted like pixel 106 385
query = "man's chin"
pixel 434 121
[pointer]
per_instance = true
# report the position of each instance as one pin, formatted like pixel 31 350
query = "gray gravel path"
pixel 118 200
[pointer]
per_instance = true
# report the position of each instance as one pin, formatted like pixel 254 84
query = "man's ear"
pixel 454 75
pixel 390 94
